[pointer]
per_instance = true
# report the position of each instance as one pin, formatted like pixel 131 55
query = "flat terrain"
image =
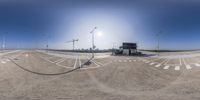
pixel 42 75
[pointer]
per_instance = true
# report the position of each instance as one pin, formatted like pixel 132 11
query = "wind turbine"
pixel 73 41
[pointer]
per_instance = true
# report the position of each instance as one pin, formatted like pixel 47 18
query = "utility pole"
pixel 93 46
pixel 113 49
pixel 3 44
pixel 73 41
pixel 158 45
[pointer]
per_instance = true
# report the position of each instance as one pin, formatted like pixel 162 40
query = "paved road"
pixel 104 78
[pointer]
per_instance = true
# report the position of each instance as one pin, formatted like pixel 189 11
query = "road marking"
pixel 130 60
pixel 161 63
pixel 95 63
pixel 196 64
pixel 3 62
pixel 166 67
pixel 62 60
pixel 80 65
pixel 186 65
pixel 75 62
pixel 180 61
pixel 119 60
pixel 177 67
pixel 158 65
pixel 27 55
pixel 156 59
pixel 167 61
pixel 151 63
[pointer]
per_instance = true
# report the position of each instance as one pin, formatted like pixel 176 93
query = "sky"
pixel 34 24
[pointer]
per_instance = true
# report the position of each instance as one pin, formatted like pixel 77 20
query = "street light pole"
pixel 93 46
pixel 158 45
pixel 113 51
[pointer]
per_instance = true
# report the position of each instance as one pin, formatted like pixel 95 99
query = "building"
pixel 128 48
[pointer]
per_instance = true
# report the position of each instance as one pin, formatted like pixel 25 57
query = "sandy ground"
pixel 106 78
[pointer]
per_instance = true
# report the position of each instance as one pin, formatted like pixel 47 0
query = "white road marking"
pixel 3 62
pixel 75 62
pixel 59 60
pixel 156 59
pixel 180 61
pixel 186 65
pixel 95 63
pixel 167 61
pixel 177 68
pixel 80 65
pixel 166 67
pixel 130 60
pixel 158 65
pixel 119 60
pixel 196 64
pixel 151 63
pixel 161 63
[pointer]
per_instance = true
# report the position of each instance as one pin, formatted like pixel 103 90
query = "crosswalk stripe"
pixel 177 67
pixel 188 67
pixel 166 67
pixel 3 62
pixel 196 64
pixel 158 65
pixel 151 63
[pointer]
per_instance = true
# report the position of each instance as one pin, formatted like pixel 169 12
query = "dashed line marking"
pixel 196 64
pixel 3 62
pixel 161 63
pixel 80 64
pixel 188 67
pixel 75 63
pixel 158 65
pixel 151 63
pixel 177 68
pixel 166 67
pixel 130 60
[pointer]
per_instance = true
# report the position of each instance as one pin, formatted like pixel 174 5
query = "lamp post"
pixel 93 46
pixel 158 45
pixel 113 49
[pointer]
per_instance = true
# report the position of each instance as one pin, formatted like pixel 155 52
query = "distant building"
pixel 127 49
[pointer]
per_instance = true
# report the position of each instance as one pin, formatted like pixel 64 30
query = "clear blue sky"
pixel 31 24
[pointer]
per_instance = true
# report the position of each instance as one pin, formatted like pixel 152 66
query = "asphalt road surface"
pixel 41 75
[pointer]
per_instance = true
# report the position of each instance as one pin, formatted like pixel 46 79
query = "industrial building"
pixel 127 49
